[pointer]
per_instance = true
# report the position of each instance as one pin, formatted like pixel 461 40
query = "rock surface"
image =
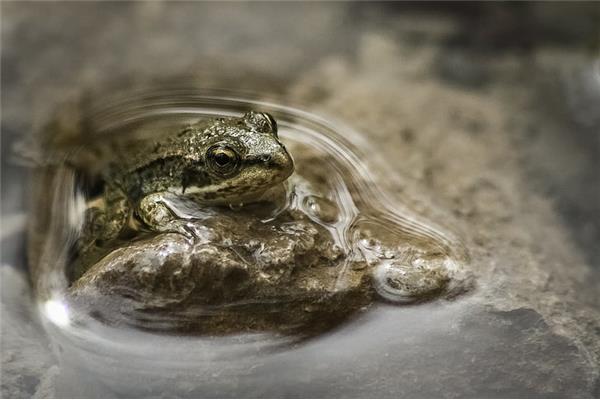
pixel 246 276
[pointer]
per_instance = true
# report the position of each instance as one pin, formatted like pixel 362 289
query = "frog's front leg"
pixel 165 212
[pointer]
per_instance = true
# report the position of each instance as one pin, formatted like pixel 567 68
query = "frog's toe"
pixel 194 232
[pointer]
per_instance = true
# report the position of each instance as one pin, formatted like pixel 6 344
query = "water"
pixel 138 340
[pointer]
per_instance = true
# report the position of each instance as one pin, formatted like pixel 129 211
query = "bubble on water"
pixel 401 282
pixel 321 209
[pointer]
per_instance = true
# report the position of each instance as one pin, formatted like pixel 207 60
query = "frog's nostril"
pixel 265 158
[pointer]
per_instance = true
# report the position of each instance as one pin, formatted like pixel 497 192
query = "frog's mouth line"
pixel 246 185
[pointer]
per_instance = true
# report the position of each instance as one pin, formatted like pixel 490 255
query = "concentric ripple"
pixel 348 243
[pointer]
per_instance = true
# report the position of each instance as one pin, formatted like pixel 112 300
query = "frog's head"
pixel 245 159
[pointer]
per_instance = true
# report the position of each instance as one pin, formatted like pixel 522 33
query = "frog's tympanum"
pixel 203 229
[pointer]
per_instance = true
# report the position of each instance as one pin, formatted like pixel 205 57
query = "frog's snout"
pixel 281 161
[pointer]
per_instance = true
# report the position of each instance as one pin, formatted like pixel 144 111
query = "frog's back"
pixel 156 164
pixel 180 142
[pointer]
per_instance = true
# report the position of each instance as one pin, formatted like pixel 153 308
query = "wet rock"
pixel 276 276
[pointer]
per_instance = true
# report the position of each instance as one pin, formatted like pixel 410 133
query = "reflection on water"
pixel 328 248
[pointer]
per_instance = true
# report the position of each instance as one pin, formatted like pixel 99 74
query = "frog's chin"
pixel 206 197
pixel 271 194
pixel 238 201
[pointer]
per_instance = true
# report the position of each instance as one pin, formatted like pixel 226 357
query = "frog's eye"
pixel 223 159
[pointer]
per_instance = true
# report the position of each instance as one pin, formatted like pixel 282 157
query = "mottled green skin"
pixel 155 181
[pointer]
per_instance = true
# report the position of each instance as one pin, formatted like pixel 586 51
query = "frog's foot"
pixel 161 213
pixel 192 231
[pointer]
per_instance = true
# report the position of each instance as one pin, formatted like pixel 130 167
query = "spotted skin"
pixel 215 161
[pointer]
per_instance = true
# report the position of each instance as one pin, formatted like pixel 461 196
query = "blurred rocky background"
pixel 489 111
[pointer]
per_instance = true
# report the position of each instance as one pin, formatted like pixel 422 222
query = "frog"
pixel 161 184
